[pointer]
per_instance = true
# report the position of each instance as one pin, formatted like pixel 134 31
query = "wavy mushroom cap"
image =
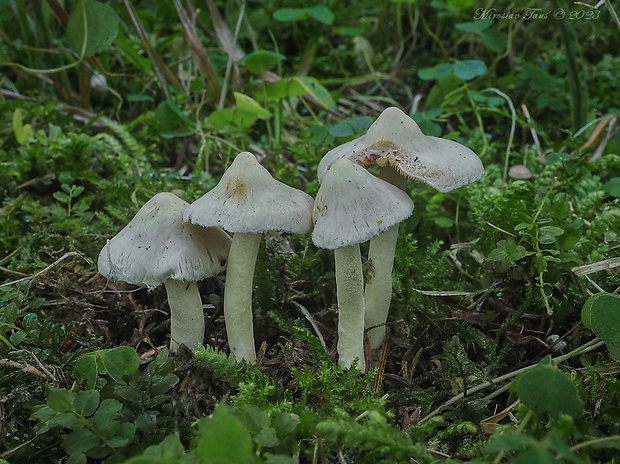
pixel 249 200
pixel 395 139
pixel 352 206
pixel 157 245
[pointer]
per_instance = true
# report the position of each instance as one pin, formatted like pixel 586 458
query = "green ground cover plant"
pixel 502 341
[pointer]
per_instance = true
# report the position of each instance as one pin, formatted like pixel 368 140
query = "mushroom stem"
pixel 187 320
pixel 378 293
pixel 238 295
pixel 350 294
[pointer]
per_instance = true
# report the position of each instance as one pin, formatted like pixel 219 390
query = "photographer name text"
pixel 532 14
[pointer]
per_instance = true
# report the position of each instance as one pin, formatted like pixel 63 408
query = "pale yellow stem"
pixel 187 319
pixel 350 294
pixel 238 295
pixel 378 293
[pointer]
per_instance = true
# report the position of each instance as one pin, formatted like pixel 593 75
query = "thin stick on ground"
pixel 585 348
pixel 24 367
pixel 43 271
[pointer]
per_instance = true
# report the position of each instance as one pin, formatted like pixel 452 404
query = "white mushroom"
pixel 352 206
pixel 396 143
pixel 395 140
pixel 158 247
pixel 248 202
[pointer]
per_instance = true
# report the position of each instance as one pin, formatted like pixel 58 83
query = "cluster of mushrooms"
pixel 175 243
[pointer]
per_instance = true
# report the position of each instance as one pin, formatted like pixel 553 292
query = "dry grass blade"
pixel 606 264
pixel 612 12
pixel 164 75
pixel 59 12
pixel 604 131
pixel 199 53
pixel 43 271
pixel 224 35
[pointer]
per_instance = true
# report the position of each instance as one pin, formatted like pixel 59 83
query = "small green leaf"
pixel 147 422
pixel 92 28
pixel 60 399
pixel 287 15
pixel 66 420
pixel 601 313
pixel 545 389
pixel 254 418
pixel 548 234
pixel 444 222
pixel 523 226
pixel 23 132
pixel 18 337
pixel 494 40
pixel 322 14
pixel 86 402
pixel 85 370
pixel 476 27
pixel 80 441
pixel 447 91
pixel 429 127
pixel 123 436
pixel 224 439
pixel 613 187
pixel 171 449
pixel 351 127
pixel 285 423
pixel 508 251
pixel 61 197
pixel 552 230
pixel 297 86
pixel 164 384
pixel 248 105
pixel 246 112
pixel 558 157
pixel 313 88
pixel 120 361
pixel 436 72
pixel 261 60
pixel 103 419
pixel 469 69
pixel 267 438
pixel 172 121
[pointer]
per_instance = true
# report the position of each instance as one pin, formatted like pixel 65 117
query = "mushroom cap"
pixel 157 245
pixel 520 172
pixel 248 200
pixel 352 206
pixel 395 139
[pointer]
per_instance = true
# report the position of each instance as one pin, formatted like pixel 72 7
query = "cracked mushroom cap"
pixel 395 139
pixel 157 245
pixel 248 200
pixel 352 206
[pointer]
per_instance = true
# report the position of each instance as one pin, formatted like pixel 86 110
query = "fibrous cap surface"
pixel 249 200
pixel 352 206
pixel 395 139
pixel 157 245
